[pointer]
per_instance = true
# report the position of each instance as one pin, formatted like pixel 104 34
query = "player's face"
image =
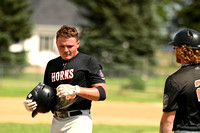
pixel 67 47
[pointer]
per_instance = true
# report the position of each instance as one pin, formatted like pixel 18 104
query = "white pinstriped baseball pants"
pixel 74 124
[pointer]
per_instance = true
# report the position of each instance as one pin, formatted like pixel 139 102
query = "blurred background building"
pixel 48 17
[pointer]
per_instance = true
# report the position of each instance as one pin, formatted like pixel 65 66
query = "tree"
pixel 121 31
pixel 188 14
pixel 15 26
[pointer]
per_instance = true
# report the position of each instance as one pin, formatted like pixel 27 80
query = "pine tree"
pixel 189 14
pixel 15 26
pixel 121 31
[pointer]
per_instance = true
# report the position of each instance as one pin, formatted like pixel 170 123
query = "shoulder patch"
pixel 101 74
pixel 165 100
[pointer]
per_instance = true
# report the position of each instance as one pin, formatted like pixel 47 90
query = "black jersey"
pixel 181 94
pixel 82 70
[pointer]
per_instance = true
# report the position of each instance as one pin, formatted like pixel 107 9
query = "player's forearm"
pixel 166 127
pixel 89 93
pixel 93 93
pixel 167 122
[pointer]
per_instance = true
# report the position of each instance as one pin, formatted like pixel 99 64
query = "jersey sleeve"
pixel 171 91
pixel 46 76
pixel 95 71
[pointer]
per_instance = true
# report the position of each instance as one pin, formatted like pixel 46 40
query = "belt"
pixel 65 114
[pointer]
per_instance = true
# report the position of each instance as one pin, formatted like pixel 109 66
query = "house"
pixel 48 17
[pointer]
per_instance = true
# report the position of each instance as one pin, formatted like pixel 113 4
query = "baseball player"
pixel 181 100
pixel 78 79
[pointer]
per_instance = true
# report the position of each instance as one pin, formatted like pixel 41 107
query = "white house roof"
pixel 55 12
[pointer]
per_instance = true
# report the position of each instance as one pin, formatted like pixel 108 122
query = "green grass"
pixel 152 93
pixel 154 85
pixel 21 86
pixel 45 128
pixel 24 128
pixel 124 129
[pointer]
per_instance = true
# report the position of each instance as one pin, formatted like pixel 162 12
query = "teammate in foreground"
pixel 181 100
pixel 78 80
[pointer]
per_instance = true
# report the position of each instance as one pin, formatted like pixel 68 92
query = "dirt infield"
pixel 107 112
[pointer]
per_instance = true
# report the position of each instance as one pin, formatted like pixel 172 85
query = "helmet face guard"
pixel 187 37
pixel 45 97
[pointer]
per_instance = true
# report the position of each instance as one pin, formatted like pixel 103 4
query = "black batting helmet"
pixel 187 37
pixel 45 97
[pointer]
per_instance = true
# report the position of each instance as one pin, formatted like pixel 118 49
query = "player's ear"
pixel 56 42
pixel 78 43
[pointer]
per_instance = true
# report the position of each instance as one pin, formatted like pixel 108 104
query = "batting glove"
pixel 30 105
pixel 67 90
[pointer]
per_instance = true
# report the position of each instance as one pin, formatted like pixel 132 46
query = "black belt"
pixel 65 114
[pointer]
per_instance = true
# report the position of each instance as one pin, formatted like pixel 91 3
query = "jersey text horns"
pixel 62 75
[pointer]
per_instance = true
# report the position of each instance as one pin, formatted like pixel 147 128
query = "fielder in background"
pixel 181 100
pixel 78 79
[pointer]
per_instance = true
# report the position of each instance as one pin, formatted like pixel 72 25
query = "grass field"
pixel 154 85
pixel 21 86
pixel 45 128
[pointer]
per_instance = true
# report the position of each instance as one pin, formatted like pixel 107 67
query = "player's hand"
pixel 30 105
pixel 67 90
